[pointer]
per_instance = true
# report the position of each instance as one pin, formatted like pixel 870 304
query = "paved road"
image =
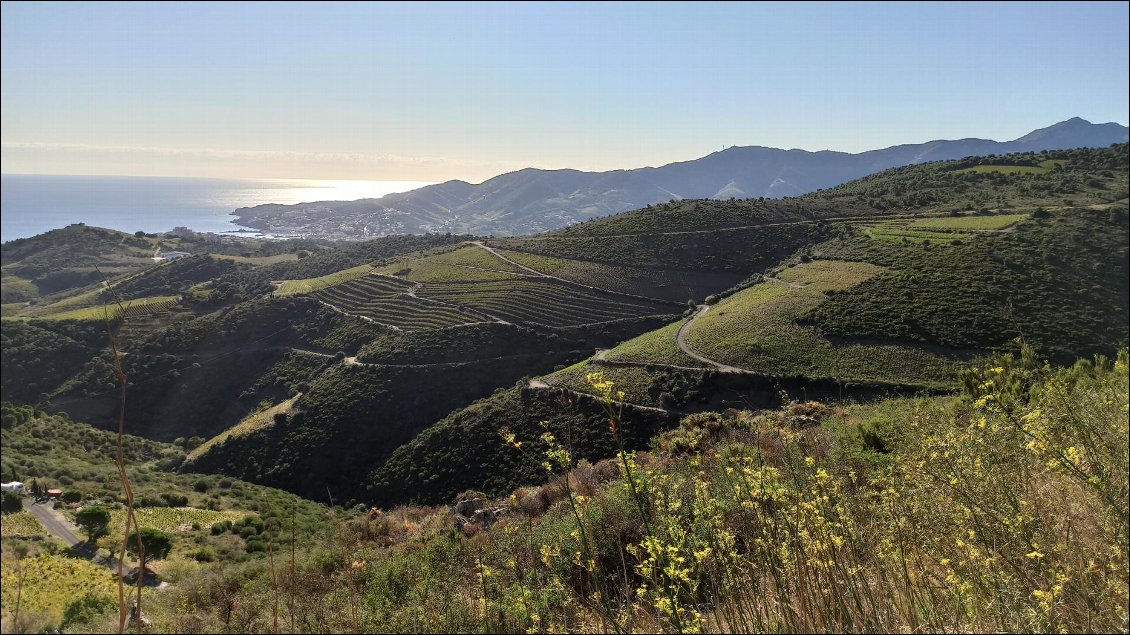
pixel 53 522
pixel 62 529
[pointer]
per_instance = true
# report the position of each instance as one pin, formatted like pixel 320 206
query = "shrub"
pixel 12 503
pixel 87 608
pixel 95 520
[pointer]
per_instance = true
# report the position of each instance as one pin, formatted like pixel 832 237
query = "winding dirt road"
pixel 681 342
pixel 539 274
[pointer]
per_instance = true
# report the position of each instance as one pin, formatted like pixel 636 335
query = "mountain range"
pixel 532 200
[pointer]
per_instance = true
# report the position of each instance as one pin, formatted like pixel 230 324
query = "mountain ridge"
pixel 532 200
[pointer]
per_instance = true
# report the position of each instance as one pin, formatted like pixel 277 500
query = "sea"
pixel 31 204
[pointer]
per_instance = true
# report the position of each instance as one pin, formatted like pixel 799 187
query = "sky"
pixel 431 92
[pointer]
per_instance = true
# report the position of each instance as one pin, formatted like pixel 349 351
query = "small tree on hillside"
pixel 12 503
pixel 94 520
pixel 155 544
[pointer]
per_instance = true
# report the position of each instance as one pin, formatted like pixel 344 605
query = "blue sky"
pixel 470 90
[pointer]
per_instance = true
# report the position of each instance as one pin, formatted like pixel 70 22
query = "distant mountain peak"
pixel 533 200
pixel 1072 133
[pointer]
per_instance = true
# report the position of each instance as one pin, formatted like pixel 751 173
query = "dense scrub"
pixel 1084 176
pixel 734 251
pixel 1058 282
pixel 36 358
pixel 175 277
pixel 466 450
pixel 463 344
pixel 353 418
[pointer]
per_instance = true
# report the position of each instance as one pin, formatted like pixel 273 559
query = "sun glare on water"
pixel 306 191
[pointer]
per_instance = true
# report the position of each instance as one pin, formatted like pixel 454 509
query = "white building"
pixel 15 487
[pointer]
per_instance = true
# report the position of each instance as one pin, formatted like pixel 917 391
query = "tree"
pixel 155 544
pixel 12 503
pixel 94 520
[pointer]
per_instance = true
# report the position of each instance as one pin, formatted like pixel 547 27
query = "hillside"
pixel 886 303
pixel 382 371
pixel 198 511
pixel 531 200
pixel 897 515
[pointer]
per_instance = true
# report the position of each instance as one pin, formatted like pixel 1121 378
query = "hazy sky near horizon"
pixel 432 92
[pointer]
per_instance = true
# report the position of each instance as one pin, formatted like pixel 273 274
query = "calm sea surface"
pixel 33 204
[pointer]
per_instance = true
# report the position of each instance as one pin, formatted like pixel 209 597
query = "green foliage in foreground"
pixel 20 523
pixel 1002 510
pixel 50 583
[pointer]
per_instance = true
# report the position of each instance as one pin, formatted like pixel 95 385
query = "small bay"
pixel 31 204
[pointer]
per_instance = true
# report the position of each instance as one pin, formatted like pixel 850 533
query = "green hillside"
pixel 352 418
pixel 756 329
pixel 895 515
pixel 1054 281
pixel 837 357
pixel 884 286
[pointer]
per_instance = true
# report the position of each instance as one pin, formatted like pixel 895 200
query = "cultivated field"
pixel 756 329
pixel 310 285
pixel 654 347
pixel 128 309
pixel 541 301
pixel 21 523
pixel 386 300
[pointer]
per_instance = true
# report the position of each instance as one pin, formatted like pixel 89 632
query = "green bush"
pixel 12 503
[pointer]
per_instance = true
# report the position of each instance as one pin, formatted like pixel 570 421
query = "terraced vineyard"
pixel 756 329
pixel 542 301
pixel 974 223
pixel 1043 168
pixel 310 285
pixel 735 251
pixel 655 347
pixel 463 264
pixel 830 275
pixel 21 523
pixel 635 382
pixel 171 519
pixel 129 309
pixel 51 582
pixel 385 300
pixel 943 230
